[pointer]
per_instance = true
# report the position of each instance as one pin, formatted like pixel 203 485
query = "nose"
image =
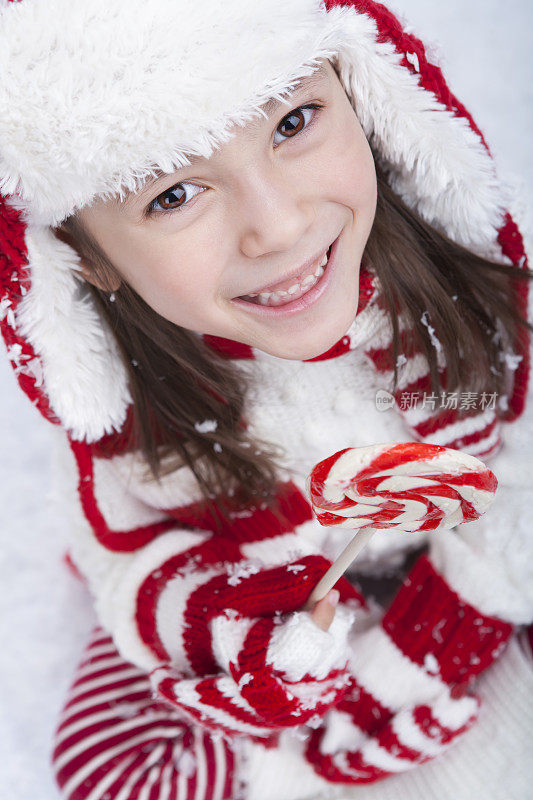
pixel 274 212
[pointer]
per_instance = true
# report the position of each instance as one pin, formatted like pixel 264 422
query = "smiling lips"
pixel 291 289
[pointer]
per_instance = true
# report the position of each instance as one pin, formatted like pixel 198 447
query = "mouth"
pixel 289 291
pixel 293 288
pixel 321 276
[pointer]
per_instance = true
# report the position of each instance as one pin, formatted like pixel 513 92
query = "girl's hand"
pixel 324 611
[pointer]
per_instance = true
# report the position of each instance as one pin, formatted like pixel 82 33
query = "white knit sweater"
pixel 312 410
pixel 495 758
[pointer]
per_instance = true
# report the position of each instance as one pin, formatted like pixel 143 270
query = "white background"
pixel 484 49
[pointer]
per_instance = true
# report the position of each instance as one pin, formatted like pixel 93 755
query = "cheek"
pixel 181 283
pixel 358 175
pixel 348 166
pixel 175 281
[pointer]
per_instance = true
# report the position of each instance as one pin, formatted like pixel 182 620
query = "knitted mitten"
pixel 259 665
pixel 409 697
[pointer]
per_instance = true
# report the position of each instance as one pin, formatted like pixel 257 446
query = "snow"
pixel 434 341
pixel 46 614
pixel 186 762
pixel 207 426
pixel 242 570
pixel 431 664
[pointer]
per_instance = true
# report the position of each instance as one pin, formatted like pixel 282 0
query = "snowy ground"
pixel 484 49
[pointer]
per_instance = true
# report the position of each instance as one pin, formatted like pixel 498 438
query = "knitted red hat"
pixel 96 96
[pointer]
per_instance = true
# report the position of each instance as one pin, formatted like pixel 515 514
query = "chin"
pixel 309 350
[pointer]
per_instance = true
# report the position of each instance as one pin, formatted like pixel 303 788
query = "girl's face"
pixel 208 246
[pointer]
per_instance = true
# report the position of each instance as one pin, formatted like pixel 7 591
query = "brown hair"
pixel 178 381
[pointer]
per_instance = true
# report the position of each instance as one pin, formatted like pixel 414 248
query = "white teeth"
pixel 279 297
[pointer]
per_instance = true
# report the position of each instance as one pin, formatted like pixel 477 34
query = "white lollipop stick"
pixel 341 564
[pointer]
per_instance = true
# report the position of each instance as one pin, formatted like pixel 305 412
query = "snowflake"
pixel 238 572
pixel 434 341
pixel 512 360
pixel 431 664
pixel 436 632
pixel 207 426
pixel 295 568
pixel 186 763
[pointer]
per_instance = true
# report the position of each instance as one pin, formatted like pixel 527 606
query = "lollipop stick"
pixel 350 552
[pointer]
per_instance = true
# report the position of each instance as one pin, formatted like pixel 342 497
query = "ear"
pixel 87 272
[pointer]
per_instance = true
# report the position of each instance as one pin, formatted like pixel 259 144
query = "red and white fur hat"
pixel 94 97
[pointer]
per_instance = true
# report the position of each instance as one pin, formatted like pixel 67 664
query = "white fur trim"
pixel 105 61
pixel 84 376
pixel 438 164
pixel 57 154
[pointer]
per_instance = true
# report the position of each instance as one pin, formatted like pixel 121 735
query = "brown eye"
pixel 293 122
pixel 175 197
pixel 172 198
pixel 296 122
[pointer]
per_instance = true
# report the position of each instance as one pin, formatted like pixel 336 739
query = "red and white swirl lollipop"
pixel 410 486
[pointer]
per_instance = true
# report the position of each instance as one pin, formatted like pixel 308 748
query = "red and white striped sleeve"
pixel 261 665
pixel 214 617
pixel 410 695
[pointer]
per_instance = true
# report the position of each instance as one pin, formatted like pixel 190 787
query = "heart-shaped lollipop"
pixel 410 486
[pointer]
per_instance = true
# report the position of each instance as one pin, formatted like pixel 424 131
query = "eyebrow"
pixel 316 80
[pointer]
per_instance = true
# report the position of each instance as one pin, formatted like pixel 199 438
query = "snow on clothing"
pixel 212 609
pixel 214 619
pixel 204 665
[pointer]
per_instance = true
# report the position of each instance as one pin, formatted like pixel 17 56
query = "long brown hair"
pixel 177 381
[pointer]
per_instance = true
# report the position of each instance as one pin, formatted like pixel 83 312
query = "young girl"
pixel 235 239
